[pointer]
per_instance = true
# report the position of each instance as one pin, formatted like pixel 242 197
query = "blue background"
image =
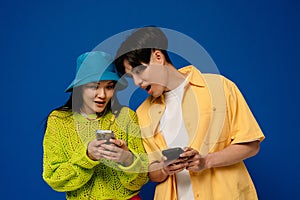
pixel 254 43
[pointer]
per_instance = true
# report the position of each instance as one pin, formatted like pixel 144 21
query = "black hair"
pixel 70 105
pixel 137 48
pixel 113 105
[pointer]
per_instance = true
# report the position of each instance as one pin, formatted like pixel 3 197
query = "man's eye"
pixel 139 69
pixel 127 75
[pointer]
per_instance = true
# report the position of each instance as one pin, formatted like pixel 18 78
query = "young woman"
pixel 75 161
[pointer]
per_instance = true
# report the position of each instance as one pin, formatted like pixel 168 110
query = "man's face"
pixel 152 77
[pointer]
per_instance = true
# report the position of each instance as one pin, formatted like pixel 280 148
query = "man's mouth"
pixel 148 88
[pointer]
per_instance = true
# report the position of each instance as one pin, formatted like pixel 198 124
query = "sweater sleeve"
pixel 64 170
pixel 133 177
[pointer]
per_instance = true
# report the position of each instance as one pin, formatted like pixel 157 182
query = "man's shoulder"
pixel 212 76
pixel 145 104
pixel 194 70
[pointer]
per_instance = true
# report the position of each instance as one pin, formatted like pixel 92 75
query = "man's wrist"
pixel 164 173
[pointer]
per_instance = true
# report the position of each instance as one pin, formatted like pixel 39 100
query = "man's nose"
pixel 137 80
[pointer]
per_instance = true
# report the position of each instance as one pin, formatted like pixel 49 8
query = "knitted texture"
pixel 67 168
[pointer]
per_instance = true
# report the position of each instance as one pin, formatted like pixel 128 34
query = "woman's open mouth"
pixel 100 103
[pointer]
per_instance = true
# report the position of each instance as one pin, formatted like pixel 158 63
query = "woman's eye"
pixel 94 87
pixel 110 87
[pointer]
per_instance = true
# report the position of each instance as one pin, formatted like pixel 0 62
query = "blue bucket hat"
pixel 93 67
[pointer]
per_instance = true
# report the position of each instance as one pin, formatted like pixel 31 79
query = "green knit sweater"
pixel 67 168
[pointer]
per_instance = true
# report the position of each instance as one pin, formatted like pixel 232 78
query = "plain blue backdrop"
pixel 254 43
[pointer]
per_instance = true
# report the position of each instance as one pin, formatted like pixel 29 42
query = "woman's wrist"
pixel 90 155
pixel 129 159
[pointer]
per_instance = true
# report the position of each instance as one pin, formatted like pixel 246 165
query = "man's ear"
pixel 157 56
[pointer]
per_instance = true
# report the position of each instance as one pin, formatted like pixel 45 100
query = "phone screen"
pixel 104 135
pixel 172 153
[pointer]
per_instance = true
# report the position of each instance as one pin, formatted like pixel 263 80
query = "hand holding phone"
pixel 172 153
pixel 105 135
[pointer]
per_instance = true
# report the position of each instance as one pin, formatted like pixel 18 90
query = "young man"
pixel 187 109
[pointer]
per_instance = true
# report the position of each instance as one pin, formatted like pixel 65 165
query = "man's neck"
pixel 175 78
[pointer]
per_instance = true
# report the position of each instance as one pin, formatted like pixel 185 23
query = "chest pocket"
pixel 216 136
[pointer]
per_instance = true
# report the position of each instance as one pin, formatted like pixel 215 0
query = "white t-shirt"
pixel 175 134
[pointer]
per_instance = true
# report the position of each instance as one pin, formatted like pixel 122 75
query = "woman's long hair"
pixel 75 101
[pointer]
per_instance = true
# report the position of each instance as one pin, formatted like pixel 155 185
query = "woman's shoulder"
pixel 57 113
pixel 126 113
pixel 126 110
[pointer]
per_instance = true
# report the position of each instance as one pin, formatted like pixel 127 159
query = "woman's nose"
pixel 100 93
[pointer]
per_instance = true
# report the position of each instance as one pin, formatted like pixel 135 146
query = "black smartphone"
pixel 172 153
pixel 105 135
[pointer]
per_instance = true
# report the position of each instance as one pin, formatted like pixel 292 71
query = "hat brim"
pixel 107 76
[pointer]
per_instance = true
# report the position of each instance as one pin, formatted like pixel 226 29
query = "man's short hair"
pixel 137 47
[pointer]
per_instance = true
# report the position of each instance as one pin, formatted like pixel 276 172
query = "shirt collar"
pixel 195 78
pixel 106 116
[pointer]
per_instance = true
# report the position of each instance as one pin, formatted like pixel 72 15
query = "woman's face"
pixel 96 96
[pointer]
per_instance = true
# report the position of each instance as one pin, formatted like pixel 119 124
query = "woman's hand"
pixel 94 149
pixel 117 151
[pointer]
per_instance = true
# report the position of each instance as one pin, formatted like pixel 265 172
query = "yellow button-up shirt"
pixel 214 117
